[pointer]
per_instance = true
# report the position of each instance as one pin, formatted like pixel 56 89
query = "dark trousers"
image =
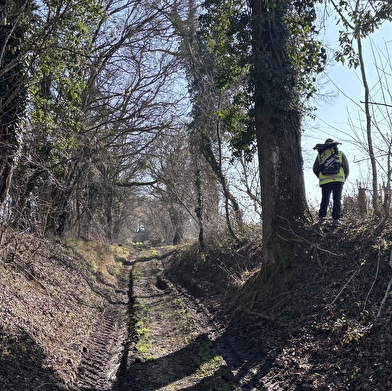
pixel 336 189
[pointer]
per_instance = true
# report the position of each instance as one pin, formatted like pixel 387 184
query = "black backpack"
pixel 331 164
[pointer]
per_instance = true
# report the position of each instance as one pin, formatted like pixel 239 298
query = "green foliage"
pixel 143 346
pixel 209 362
pixel 237 121
pixel 58 50
pixel 225 27
pixel 306 52
pixel 58 77
pixel 358 20
pixel 228 28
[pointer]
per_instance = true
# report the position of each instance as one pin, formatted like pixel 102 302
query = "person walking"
pixel 332 169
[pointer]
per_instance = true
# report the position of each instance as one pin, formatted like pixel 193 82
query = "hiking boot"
pixel 335 223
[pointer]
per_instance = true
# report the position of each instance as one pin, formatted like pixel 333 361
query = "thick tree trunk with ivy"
pixel 278 132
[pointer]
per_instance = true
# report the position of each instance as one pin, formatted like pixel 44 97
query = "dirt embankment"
pixel 321 325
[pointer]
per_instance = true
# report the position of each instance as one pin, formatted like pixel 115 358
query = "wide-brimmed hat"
pixel 331 141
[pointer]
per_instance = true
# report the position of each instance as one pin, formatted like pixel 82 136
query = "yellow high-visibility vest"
pixel 339 177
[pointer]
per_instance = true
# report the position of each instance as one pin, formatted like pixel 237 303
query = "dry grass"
pixel 105 261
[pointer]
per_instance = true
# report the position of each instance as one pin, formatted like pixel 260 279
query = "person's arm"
pixel 345 165
pixel 316 167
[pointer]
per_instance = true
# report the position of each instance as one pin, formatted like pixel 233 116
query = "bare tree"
pixel 96 136
pixel 359 19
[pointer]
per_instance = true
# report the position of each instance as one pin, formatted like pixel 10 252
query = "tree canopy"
pixel 119 115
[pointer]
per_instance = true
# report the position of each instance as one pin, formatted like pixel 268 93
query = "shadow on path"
pixel 193 365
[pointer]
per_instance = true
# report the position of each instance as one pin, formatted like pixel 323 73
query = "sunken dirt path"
pixel 152 337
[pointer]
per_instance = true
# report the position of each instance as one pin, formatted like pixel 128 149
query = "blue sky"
pixel 335 118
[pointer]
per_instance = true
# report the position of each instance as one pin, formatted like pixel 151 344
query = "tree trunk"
pixel 229 198
pixel 199 209
pixel 13 94
pixel 373 163
pixel 178 225
pixel 109 214
pixel 278 132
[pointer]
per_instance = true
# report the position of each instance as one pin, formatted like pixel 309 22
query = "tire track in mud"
pixel 101 359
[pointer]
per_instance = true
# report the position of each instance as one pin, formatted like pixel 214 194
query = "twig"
pixel 42 385
pixel 385 298
pixel 378 104
pixel 345 285
pixel 375 277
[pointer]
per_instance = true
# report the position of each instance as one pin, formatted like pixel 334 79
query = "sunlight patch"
pixel 207 370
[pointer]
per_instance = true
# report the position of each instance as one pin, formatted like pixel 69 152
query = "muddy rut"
pixel 101 358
